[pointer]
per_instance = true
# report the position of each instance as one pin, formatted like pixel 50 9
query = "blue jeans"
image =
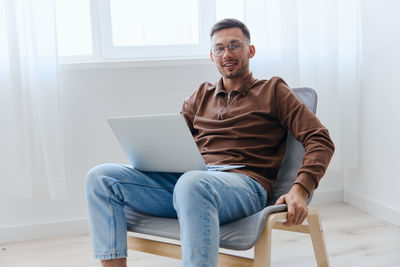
pixel 201 200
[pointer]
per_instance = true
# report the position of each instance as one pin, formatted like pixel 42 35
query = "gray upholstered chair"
pixel 253 231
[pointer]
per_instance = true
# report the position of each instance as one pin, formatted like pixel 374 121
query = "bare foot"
pixel 121 262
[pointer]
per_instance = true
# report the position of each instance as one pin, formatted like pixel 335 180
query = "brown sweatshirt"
pixel 249 125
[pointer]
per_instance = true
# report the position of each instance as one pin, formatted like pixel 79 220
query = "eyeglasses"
pixel 234 46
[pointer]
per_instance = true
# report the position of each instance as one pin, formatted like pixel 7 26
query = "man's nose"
pixel 227 53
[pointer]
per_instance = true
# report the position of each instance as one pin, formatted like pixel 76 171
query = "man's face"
pixel 232 64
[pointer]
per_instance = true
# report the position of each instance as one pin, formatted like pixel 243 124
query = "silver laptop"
pixel 160 143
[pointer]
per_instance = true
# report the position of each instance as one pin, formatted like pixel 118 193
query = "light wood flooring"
pixel 354 238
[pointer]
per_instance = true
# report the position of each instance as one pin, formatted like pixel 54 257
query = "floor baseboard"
pixel 44 230
pixel 326 197
pixel 372 207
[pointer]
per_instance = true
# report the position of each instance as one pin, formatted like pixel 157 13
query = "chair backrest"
pixel 294 151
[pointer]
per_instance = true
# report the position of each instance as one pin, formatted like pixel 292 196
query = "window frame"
pixel 104 50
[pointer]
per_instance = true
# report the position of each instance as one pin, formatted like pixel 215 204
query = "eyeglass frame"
pixel 228 46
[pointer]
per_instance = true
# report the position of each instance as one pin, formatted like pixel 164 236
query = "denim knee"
pixel 95 176
pixel 193 186
pixel 100 177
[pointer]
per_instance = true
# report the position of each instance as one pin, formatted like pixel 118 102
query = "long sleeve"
pixel 307 129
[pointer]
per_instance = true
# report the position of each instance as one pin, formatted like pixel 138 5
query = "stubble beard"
pixel 236 74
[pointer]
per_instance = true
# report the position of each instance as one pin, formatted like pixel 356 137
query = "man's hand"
pixel 296 203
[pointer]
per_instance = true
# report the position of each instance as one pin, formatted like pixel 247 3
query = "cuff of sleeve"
pixel 307 182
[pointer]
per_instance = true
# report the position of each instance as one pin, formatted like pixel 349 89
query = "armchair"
pixel 253 231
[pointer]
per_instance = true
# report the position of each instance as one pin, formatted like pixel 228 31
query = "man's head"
pixel 230 48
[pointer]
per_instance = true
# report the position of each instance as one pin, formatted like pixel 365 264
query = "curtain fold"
pixel 316 44
pixel 31 141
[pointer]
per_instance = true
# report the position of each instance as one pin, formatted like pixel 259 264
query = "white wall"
pixel 375 185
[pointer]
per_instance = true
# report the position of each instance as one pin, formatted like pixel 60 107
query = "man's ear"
pixel 252 51
pixel 211 57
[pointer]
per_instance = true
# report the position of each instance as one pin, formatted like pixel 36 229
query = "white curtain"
pixel 314 43
pixel 31 146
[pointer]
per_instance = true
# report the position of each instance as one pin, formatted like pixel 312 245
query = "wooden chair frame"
pixel 262 249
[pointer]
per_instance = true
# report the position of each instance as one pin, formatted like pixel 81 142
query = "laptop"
pixel 160 143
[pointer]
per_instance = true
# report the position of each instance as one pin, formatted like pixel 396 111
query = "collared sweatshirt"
pixel 249 126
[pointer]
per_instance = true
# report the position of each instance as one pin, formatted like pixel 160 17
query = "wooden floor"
pixel 354 238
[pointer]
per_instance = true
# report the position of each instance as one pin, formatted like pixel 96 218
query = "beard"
pixel 235 74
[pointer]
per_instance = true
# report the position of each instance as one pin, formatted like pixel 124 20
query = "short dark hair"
pixel 230 23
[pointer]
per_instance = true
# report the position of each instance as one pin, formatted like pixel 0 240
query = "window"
pixel 149 26
pixel 137 29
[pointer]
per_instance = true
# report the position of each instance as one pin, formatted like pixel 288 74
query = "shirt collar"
pixel 242 89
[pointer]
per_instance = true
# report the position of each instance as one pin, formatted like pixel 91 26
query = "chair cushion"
pixel 238 235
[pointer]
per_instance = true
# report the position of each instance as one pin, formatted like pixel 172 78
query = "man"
pixel 240 120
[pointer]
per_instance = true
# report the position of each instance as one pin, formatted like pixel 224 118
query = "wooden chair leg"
pixel 317 237
pixel 262 249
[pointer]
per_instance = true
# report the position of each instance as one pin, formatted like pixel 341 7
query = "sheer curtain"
pixel 31 134
pixel 314 43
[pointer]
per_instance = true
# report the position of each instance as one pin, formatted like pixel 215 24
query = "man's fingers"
pixel 305 214
pixel 296 214
pixel 281 200
pixel 301 215
pixel 297 217
pixel 290 215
